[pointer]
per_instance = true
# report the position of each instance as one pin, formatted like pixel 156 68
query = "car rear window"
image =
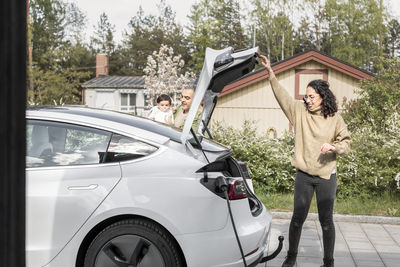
pixel 124 148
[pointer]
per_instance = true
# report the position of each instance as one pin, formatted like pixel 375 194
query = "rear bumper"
pixel 220 248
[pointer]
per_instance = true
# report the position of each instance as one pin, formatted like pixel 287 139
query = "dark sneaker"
pixel 328 263
pixel 290 260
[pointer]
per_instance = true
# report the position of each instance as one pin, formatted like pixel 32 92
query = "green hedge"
pixel 369 169
pixel 268 159
pixel 373 164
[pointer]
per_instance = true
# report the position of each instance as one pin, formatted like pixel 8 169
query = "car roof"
pixel 86 114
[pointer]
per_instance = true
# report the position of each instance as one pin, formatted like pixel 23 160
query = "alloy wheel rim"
pixel 129 251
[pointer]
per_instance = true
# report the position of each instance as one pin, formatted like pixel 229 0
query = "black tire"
pixel 133 243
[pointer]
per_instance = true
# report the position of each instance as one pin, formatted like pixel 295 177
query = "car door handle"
pixel 83 187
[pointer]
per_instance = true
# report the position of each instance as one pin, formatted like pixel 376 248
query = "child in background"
pixel 162 112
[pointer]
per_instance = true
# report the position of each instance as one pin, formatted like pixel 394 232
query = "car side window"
pixel 124 148
pixel 62 144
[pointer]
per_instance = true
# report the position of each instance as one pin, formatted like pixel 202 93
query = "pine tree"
pixel 227 29
pixel 392 41
pixel 305 39
pixel 274 30
pixel 215 24
pixel 282 37
pixel 103 39
pixel 200 34
pixel 47 21
pixel 354 30
pixel 61 61
pixel 145 34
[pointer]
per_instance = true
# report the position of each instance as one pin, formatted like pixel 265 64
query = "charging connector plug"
pixel 221 185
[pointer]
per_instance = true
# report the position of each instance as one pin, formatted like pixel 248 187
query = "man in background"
pixel 182 110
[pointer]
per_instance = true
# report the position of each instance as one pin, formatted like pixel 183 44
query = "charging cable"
pixel 222 186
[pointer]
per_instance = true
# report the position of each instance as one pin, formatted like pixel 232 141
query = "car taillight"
pixel 237 189
pixel 251 252
pixel 245 169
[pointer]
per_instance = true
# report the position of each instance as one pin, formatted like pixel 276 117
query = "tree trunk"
pixel 283 46
pixel 28 30
pixel 380 48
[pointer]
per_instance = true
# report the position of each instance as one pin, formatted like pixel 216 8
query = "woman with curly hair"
pixel 320 135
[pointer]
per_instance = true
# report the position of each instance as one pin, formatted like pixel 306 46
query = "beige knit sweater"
pixel 311 131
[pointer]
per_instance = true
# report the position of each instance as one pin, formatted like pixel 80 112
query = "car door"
pixel 66 181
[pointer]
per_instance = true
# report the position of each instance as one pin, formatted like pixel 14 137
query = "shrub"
pixel 373 163
pixel 373 121
pixel 379 99
pixel 369 169
pixel 268 159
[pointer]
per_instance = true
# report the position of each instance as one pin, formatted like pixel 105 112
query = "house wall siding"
pixel 92 98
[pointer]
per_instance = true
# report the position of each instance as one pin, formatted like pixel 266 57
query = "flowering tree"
pixel 163 74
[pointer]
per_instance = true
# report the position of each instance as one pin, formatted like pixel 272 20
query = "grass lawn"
pixel 386 205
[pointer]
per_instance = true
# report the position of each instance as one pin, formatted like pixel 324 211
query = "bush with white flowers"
pixel 373 120
pixel 373 163
pixel 371 167
pixel 268 159
pixel 164 75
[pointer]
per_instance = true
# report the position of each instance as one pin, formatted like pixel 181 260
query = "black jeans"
pixel 304 188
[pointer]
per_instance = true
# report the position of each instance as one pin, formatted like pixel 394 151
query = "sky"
pixel 120 12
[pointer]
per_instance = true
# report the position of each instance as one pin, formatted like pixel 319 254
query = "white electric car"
pixel 110 189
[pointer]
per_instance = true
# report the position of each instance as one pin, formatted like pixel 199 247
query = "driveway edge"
pixel 343 218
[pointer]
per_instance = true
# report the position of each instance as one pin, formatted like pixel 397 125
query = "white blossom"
pixel 397 179
pixel 163 74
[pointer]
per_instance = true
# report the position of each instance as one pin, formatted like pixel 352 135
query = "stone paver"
pixel 394 232
pixel 357 244
pixel 385 245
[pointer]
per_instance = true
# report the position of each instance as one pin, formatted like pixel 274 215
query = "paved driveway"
pixel 357 244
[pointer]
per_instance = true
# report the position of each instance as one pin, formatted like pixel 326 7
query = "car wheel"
pixel 133 243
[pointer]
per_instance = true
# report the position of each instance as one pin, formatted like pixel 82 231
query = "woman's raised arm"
pixel 286 102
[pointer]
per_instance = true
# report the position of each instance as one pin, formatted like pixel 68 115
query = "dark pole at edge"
pixel 12 132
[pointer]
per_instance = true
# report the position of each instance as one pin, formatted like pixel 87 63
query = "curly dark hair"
pixel 328 105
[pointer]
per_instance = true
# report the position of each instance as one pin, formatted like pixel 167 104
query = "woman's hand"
pixel 325 148
pixel 265 62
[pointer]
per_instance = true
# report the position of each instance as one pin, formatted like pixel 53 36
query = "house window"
pixel 304 76
pixel 128 101
pixel 301 80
